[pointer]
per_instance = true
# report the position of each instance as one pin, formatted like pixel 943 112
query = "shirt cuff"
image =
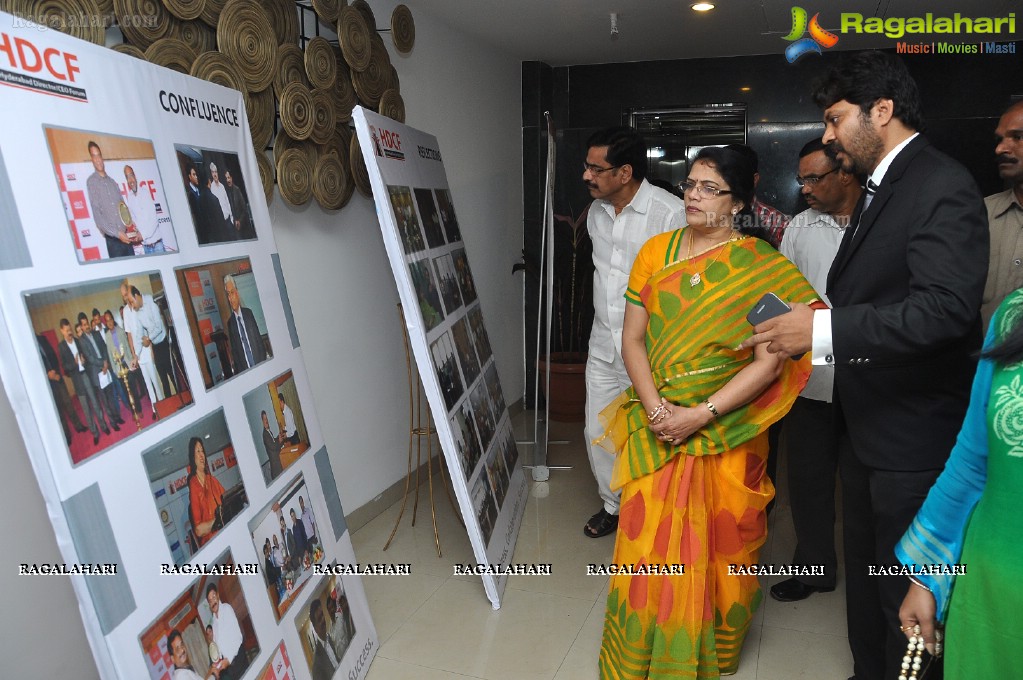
pixel 823 351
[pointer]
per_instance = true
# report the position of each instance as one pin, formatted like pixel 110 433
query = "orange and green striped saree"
pixel 700 504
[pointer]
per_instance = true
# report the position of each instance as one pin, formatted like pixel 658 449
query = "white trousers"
pixel 153 384
pixel 604 382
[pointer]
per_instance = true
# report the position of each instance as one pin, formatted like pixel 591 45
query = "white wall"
pixel 344 298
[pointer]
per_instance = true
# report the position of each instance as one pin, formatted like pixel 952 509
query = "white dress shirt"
pixel 227 632
pixel 143 213
pixel 616 242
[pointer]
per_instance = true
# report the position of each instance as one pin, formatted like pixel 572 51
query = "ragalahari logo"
pixel 817 39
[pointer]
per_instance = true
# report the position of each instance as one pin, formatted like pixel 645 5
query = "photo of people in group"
pixel 465 282
pixel 205 634
pixel 278 667
pixel 225 318
pixel 431 217
pixel 427 293
pixel 447 216
pixel 486 508
pixel 326 628
pixel 286 534
pixel 218 197
pixel 443 352
pixel 479 335
pixel 278 427
pixel 196 484
pixel 406 220
pixel 112 193
pixel 110 354
pixel 466 352
pixel 486 423
pixel 463 425
pixel 448 283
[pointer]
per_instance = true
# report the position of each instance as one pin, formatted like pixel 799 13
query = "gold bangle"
pixel 713 409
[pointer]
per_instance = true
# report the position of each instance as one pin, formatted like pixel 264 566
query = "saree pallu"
pixel 700 504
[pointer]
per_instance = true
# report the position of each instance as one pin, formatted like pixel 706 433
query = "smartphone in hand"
pixel 766 308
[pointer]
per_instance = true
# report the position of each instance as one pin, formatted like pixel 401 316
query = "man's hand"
pixel 146 342
pixel 789 334
pixel 53 375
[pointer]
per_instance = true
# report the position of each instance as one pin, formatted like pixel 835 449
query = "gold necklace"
pixel 695 279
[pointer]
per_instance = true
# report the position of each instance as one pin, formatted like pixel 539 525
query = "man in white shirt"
pixel 141 350
pixel 811 242
pixel 227 633
pixel 143 214
pixel 220 192
pixel 307 520
pixel 290 426
pixel 626 211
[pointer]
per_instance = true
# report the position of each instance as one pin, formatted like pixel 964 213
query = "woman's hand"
pixel 682 423
pixel 918 609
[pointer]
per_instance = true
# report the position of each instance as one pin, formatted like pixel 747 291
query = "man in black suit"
pixel 247 348
pixel 906 287
pixel 73 361
pixel 272 445
pixel 97 365
pixel 65 411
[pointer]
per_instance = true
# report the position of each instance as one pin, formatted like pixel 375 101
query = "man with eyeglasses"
pixel 811 242
pixel 626 211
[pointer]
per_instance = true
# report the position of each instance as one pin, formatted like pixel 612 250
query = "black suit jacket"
pixel 80 379
pixel 94 355
pixel 906 288
pixel 255 340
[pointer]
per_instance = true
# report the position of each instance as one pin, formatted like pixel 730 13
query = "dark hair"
pixel 1009 350
pixel 174 634
pixel 735 168
pixel 64 322
pixel 212 588
pixel 92 144
pixel 813 146
pixel 135 291
pixel 625 146
pixel 864 77
pixel 191 455
pixel 749 152
pixel 108 312
pixel 81 315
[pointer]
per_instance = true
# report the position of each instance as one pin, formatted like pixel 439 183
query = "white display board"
pixel 449 339
pixel 175 441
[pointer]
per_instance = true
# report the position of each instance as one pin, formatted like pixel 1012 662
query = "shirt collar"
pixel 886 162
pixel 1002 202
pixel 640 203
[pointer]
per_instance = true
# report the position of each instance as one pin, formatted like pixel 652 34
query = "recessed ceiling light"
pixel 702 6
pixel 745 89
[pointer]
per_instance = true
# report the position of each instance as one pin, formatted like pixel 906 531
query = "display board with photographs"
pixel 145 349
pixel 448 335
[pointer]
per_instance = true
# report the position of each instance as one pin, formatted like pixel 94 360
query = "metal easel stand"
pixel 417 432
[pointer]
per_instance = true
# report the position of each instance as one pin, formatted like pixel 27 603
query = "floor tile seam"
pixel 432 668
pixel 800 630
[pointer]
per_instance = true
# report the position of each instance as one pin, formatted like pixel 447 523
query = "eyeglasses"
pixel 596 169
pixel 812 180
pixel 701 190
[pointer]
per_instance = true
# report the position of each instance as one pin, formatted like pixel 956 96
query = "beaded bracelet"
pixel 713 409
pixel 659 413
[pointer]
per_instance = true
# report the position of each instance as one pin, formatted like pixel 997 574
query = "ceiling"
pixel 572 32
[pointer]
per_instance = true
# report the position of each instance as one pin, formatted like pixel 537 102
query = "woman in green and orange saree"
pixel 691 435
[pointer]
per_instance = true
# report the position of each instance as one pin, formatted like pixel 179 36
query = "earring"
pixel 735 211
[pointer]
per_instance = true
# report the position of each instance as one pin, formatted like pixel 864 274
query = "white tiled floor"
pixel 436 626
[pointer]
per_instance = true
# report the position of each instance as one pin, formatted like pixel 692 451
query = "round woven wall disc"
pixel 297 111
pixel 217 67
pixel 403 29
pixel 323 116
pixel 244 34
pixel 172 54
pixel 283 142
pixel 392 105
pixel 184 9
pixel 284 19
pixel 80 18
pixel 266 174
pixel 359 172
pixel 290 68
pixel 131 50
pixel 327 10
pixel 319 63
pixel 294 177
pixel 211 10
pixel 367 13
pixel 371 82
pixel 197 35
pixel 329 179
pixel 142 22
pixel 354 37
pixel 259 107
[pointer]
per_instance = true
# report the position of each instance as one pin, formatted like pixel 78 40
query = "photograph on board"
pixel 427 293
pixel 466 352
pixel 111 357
pixel 225 318
pixel 431 218
pixel 277 422
pixel 463 425
pixel 466 285
pixel 406 220
pixel 113 194
pixel 196 484
pixel 326 627
pixel 286 535
pixel 217 194
pixel 205 633
pixel 447 216
pixel 443 352
pixel 448 283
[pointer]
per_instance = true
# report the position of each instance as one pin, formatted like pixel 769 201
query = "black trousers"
pixel 812 454
pixel 877 508
pixel 164 368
